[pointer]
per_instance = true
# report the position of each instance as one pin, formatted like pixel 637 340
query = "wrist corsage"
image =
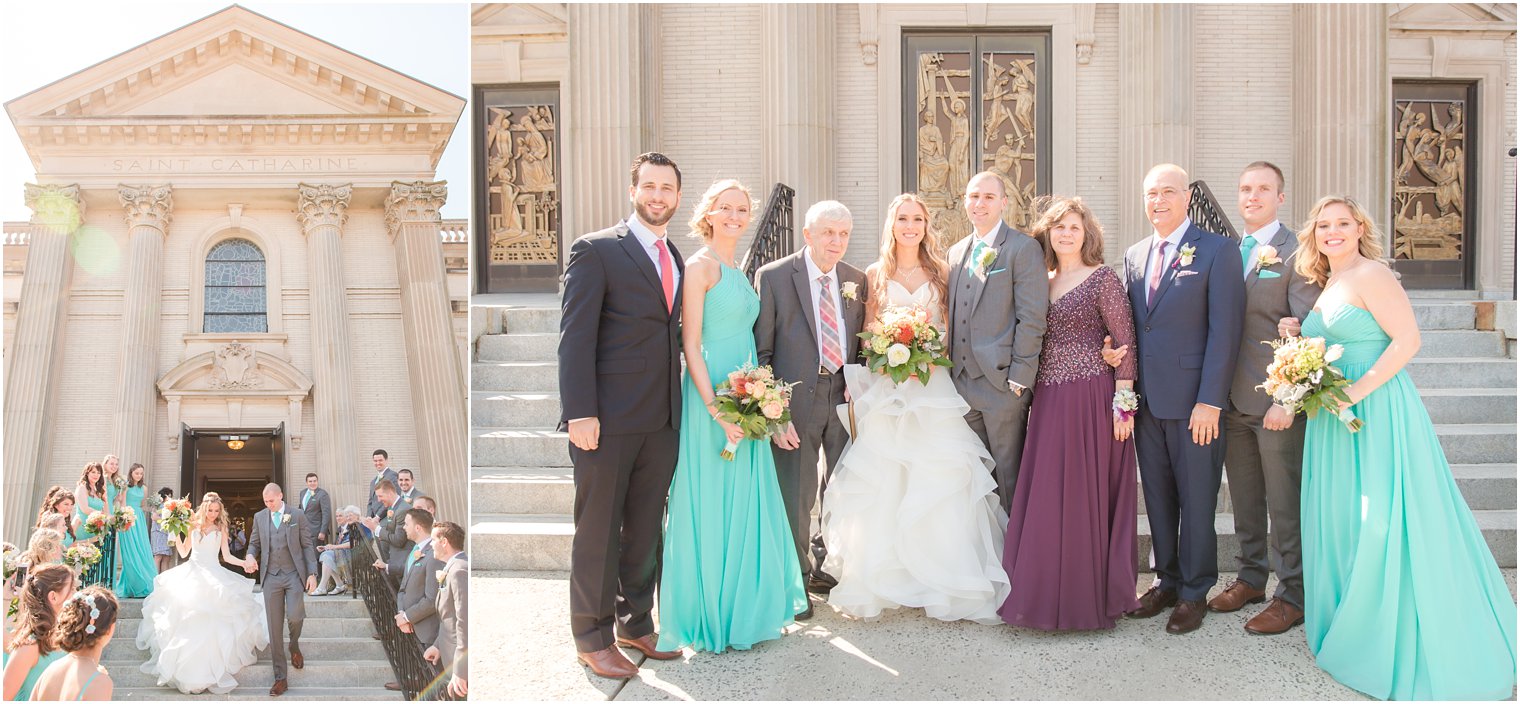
pixel 1126 404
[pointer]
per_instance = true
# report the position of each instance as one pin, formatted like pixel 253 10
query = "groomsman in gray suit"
pixel 999 291
pixel 417 597
pixel 317 504
pixel 1264 449
pixel 451 649
pixel 812 307
pixel 280 550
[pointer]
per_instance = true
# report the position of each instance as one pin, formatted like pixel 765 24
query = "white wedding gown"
pixel 202 623
pixel 911 515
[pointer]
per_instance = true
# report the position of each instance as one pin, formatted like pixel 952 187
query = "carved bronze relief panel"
pixel 1433 217
pixel 977 102
pixel 518 207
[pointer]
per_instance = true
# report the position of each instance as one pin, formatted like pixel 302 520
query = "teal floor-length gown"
pixel 102 572
pixel 731 577
pixel 135 552
pixel 1403 599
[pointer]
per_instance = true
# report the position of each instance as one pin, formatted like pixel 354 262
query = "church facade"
pixel 235 272
pixel 1407 108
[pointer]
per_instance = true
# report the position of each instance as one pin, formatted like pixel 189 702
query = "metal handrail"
pixel 774 237
pixel 420 680
pixel 1207 213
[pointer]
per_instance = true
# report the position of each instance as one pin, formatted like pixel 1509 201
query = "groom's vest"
pixel 965 302
pixel 279 551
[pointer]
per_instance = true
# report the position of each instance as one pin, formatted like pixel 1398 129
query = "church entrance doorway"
pixel 236 464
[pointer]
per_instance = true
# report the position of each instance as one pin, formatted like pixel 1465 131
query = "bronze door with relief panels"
pixel 1434 218
pixel 517 200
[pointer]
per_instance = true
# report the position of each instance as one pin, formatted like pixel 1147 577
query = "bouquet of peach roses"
pixel 1301 377
pixel 98 522
pixel 901 343
pixel 756 401
pixel 174 517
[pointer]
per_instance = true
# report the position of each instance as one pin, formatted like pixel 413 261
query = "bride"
pixel 202 622
pixel 911 514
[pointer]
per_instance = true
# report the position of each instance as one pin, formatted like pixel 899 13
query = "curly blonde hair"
pixel 699 225
pixel 222 522
pixel 930 253
pixel 1315 266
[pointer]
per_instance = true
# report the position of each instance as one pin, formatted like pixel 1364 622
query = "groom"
pixel 280 550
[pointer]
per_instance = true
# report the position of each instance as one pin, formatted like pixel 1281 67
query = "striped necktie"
pixel 828 326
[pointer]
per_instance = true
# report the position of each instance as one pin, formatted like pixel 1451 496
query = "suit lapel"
pixel 998 243
pixel 635 251
pixel 680 266
pixel 805 294
pixel 1169 274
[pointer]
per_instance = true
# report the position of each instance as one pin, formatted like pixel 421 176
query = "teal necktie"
pixel 976 253
pixel 275 518
pixel 1247 244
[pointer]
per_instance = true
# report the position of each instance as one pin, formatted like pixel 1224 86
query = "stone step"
pixel 1461 343
pixel 1483 487
pixel 522 490
pixel 1448 406
pixel 508 377
pixel 521 542
pixel 1442 315
pixel 343 606
pixel 502 409
pixel 253 691
pixel 311 628
pixel 516 320
pixel 1477 443
pixel 1459 373
pixel 519 447
pixel 1498 528
pixel 519 347
pixel 313 647
pixel 341 673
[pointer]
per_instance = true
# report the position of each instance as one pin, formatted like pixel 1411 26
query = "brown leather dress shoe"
pixel 609 662
pixel 1278 617
pixel 279 688
pixel 1236 595
pixel 1152 602
pixel 1187 617
pixel 297 660
pixel 646 645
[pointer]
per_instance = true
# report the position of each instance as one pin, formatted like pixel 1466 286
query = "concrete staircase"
pixel 522 490
pixel 343 663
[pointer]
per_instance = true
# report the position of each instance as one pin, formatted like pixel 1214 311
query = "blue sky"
pixel 41 42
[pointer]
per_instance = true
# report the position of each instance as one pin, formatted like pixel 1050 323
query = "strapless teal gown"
pixel 730 576
pixel 135 552
pixel 1403 598
pixel 102 572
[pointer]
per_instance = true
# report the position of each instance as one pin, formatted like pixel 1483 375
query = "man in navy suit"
pixel 1188 296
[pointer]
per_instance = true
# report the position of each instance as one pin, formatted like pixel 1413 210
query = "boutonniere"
pixel 985 259
pixel 850 291
pixel 440 576
pixel 1266 256
pixel 1185 254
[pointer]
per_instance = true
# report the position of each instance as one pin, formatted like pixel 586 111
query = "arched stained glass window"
pixel 235 288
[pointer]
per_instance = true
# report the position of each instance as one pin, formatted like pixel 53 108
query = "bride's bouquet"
pixel 175 515
pixel 902 343
pixel 1301 377
pixel 80 556
pixel 98 522
pixel 756 401
pixel 124 518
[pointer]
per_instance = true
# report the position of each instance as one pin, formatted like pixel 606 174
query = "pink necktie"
pixel 828 324
pixel 667 276
pixel 1155 282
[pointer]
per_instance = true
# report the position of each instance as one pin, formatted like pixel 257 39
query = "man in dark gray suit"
pixel 1264 450
pixel 390 535
pixel 280 550
pixel 1186 291
pixel 317 504
pixel 999 292
pixel 383 473
pixel 417 597
pixel 812 307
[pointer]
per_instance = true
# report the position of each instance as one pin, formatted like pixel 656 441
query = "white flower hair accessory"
pixel 89 599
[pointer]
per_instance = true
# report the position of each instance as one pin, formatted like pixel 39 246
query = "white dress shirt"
pixel 1263 235
pixel 813 275
pixel 652 243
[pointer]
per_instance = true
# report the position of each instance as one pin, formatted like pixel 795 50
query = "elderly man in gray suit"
pixel 451 648
pixel 280 550
pixel 417 597
pixel 999 291
pixel 812 307
pixel 1264 450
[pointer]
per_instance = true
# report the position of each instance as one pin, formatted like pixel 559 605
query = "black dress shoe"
pixel 814 585
pixel 806 613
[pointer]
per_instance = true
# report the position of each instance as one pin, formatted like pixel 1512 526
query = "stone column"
pixel 438 402
pixel 1155 104
pixel 1342 100
pixel 608 108
pixel 148 212
pixel 798 94
pixel 322 211
pixel 36 354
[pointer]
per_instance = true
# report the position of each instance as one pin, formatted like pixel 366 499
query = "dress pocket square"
pixel 1186 272
pixel 995 272
pixel 1265 274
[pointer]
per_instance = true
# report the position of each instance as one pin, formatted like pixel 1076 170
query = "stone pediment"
pixel 520 18
pixel 234 369
pixel 1452 16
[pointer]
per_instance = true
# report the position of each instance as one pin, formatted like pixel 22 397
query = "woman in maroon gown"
pixel 1070 550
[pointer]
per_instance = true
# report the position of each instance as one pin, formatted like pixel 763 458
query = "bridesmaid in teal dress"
pixel 1403 598
pixel 96 491
pixel 731 577
pixel 32 649
pixel 134 549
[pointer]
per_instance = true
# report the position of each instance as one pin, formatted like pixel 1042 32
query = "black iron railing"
pixel 103 572
pixel 774 237
pixel 420 680
pixel 1206 212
